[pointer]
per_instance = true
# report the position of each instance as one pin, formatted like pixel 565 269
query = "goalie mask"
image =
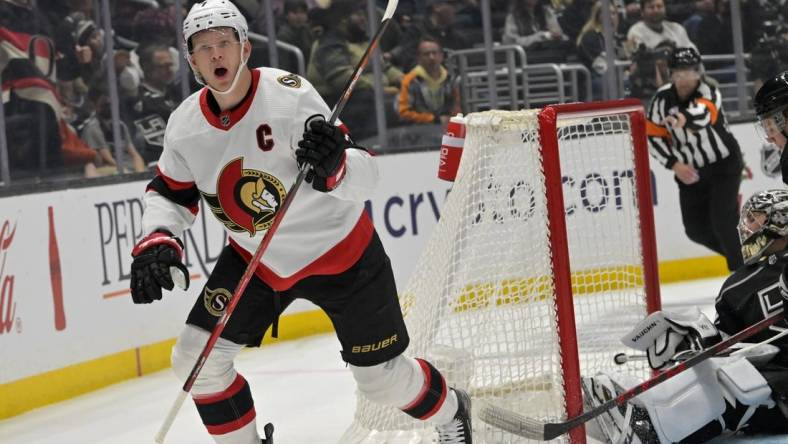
pixel 764 219
pixel 214 15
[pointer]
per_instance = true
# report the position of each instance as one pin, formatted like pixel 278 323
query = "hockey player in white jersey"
pixel 237 144
pixel 722 394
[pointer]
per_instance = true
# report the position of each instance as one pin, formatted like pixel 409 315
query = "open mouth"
pixel 220 72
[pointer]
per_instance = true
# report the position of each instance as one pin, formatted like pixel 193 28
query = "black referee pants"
pixel 710 208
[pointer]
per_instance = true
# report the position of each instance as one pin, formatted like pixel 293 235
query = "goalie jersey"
pixel 748 296
pixel 241 162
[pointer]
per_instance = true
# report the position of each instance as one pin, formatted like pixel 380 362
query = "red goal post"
pixel 551 163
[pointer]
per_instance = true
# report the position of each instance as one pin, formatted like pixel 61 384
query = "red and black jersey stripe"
pixel 184 194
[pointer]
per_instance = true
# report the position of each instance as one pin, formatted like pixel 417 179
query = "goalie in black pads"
pixel 740 392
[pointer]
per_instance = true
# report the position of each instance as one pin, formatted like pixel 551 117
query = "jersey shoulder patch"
pixel 289 80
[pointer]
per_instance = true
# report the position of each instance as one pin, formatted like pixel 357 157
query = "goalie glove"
pixel 323 147
pixel 665 335
pixel 157 264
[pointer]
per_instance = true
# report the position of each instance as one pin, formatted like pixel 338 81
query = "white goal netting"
pixel 482 304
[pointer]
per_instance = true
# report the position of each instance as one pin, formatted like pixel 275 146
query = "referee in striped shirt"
pixel 688 134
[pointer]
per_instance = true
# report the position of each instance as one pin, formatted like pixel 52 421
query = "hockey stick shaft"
pixel 250 269
pixel 520 425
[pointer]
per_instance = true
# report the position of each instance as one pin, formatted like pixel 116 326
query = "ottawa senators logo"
pixel 216 301
pixel 245 200
pixel 289 80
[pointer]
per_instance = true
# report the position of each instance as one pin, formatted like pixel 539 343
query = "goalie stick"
pixel 520 425
pixel 246 277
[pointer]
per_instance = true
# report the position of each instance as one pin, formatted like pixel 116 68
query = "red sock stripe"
pixel 438 404
pixel 424 388
pixel 228 393
pixel 233 425
pixel 431 396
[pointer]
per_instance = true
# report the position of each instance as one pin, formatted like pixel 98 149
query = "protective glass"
pixel 220 39
pixel 770 126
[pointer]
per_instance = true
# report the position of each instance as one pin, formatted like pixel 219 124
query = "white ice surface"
pixel 301 386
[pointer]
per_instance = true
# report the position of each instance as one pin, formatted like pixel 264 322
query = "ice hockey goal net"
pixel 537 267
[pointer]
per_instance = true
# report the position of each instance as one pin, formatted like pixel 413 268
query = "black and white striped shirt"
pixel 703 140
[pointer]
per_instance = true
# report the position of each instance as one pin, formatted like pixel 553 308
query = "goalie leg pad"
pixel 741 382
pixel 684 403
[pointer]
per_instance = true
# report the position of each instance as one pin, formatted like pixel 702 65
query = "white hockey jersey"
pixel 242 163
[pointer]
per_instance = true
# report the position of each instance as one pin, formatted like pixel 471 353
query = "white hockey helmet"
pixel 214 14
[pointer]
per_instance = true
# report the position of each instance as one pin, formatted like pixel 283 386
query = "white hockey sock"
pixel 412 385
pixel 222 396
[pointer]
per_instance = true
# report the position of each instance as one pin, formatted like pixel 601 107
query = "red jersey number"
pixel 265 139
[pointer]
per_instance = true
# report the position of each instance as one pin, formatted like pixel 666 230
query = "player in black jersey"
pixel 771 107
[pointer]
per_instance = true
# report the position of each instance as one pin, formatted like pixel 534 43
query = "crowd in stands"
pixel 55 63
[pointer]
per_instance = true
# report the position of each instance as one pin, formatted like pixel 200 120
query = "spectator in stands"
pixel 769 57
pixel 148 115
pixel 534 26
pixel 89 48
pixel 438 23
pixel 715 36
pixel 653 29
pixel 152 27
pixel 632 14
pixel 679 10
pixel 123 15
pixel 96 131
pixel 649 69
pixel 336 53
pixel 575 16
pixel 75 151
pixel 428 93
pixel 688 134
pixel 296 30
pixel 29 96
pixel 591 47
pixel 703 8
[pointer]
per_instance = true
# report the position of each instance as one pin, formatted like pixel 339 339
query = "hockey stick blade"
pixel 278 216
pixel 520 425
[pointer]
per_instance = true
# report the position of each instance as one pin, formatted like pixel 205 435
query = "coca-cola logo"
pixel 7 304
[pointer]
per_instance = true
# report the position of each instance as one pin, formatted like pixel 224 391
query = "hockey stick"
pixel 246 277
pixel 544 431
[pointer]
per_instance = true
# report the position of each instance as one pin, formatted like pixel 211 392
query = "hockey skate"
pixel 458 430
pixel 628 424
pixel 268 430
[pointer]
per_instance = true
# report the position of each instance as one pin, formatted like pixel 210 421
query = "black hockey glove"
pixel 157 264
pixel 323 147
